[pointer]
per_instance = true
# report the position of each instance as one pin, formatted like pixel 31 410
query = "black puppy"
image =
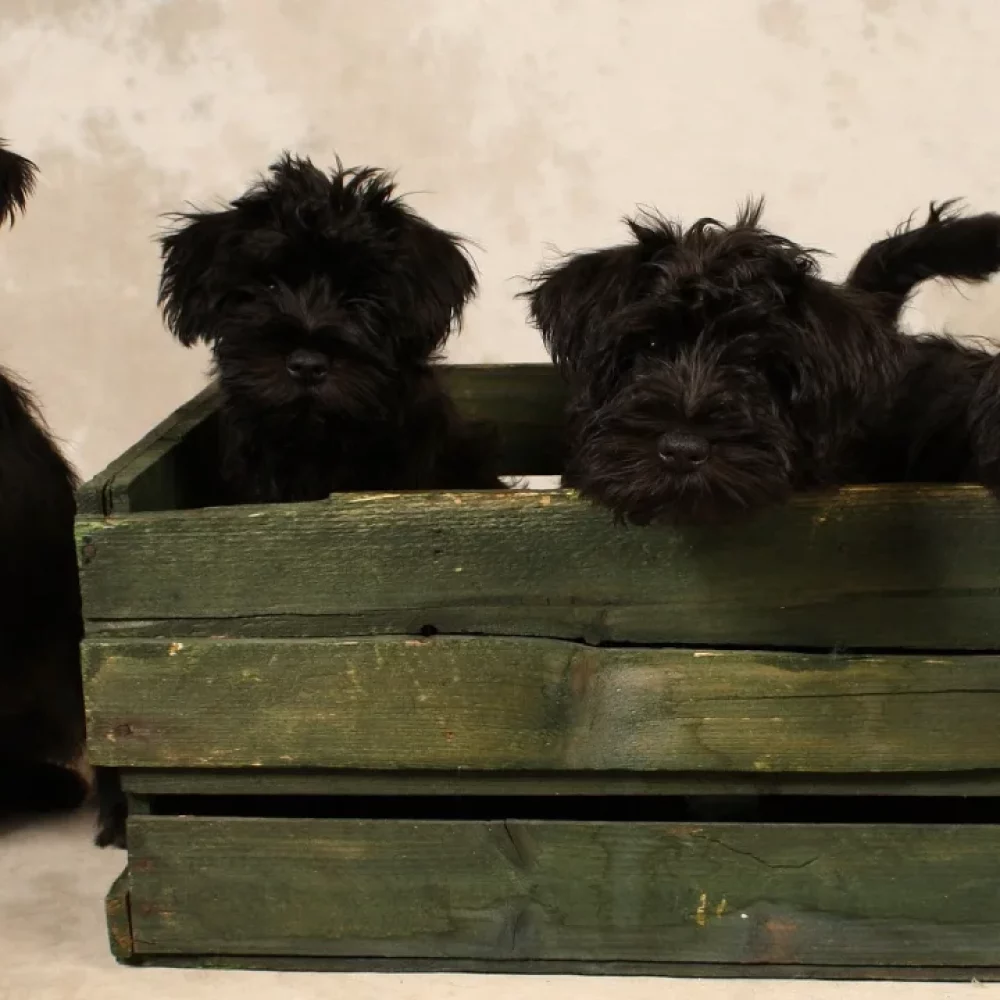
pixel 711 370
pixel 325 300
pixel 41 698
pixel 943 424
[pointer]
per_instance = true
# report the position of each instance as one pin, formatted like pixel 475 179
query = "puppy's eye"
pixel 654 343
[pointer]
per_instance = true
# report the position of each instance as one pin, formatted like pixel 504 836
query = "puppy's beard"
pixel 364 397
pixel 361 394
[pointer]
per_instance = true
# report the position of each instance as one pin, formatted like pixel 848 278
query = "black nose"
pixel 307 367
pixel 682 452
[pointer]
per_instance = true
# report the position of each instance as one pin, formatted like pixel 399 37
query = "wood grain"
pixel 869 567
pixel 533 704
pixel 603 891
pixel 117 913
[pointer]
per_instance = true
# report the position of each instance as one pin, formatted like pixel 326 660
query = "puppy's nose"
pixel 307 367
pixel 682 452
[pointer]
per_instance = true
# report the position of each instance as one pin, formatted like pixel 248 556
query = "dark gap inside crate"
pixel 798 809
pixel 837 653
pixel 524 403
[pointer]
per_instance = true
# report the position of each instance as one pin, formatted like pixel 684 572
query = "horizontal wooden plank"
pixel 533 704
pixel 602 891
pixel 868 567
pixel 259 781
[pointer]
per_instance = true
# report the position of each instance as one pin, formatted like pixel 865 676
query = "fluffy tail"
pixel 947 245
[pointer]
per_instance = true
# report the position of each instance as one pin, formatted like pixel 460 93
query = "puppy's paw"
pixel 111 832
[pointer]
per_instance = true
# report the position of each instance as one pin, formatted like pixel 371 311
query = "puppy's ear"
pixel 431 276
pixel 192 252
pixel 17 181
pixel 569 301
pixel 439 280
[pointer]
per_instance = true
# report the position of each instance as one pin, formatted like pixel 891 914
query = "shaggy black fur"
pixel 325 299
pixel 41 698
pixel 17 181
pixel 112 808
pixel 711 370
pixel 944 421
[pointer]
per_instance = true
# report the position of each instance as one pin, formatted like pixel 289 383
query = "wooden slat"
pixel 869 567
pixel 721 970
pixel 533 704
pixel 146 476
pixel 603 891
pixel 116 910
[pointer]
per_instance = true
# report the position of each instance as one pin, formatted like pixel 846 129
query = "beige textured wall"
pixel 526 123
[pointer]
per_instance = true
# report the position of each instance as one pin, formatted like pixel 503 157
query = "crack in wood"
pixel 736 699
pixel 521 850
pixel 757 858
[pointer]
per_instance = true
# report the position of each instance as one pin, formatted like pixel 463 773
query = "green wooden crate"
pixel 478 731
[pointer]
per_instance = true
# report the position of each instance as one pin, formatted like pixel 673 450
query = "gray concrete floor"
pixel 53 946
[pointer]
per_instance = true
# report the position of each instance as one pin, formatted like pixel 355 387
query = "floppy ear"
pixel 439 280
pixel 191 253
pixel 17 181
pixel 570 300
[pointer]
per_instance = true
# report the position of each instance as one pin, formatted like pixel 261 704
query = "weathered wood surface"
pixel 603 891
pixel 533 704
pixel 524 402
pixel 868 567
pixel 116 910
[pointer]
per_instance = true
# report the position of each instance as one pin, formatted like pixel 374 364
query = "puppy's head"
pixel 17 181
pixel 316 291
pixel 711 369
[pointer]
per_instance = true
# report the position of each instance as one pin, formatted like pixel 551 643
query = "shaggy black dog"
pixel 944 421
pixel 325 300
pixel 41 698
pixel 711 370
